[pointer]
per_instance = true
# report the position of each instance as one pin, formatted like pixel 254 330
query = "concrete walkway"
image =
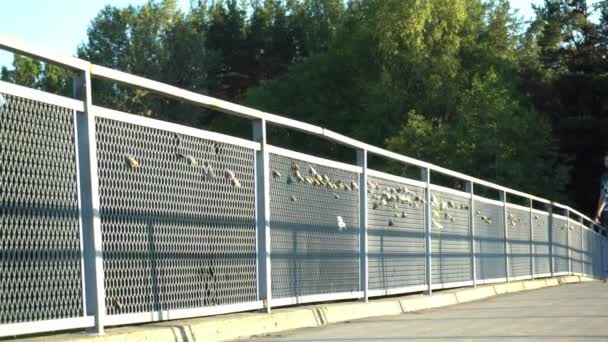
pixel 575 312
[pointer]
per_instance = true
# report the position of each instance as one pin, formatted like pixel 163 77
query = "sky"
pixel 61 25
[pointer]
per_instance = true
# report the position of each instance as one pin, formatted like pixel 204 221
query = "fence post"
pixel 470 188
pixel 503 198
pixel 363 257
pixel 532 244
pixel 426 177
pixel 88 190
pixel 262 198
pixel 568 241
pixel 583 253
pixel 551 251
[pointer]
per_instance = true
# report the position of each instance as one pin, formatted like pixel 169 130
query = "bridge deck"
pixel 575 312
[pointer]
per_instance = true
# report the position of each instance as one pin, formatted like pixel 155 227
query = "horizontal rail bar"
pixel 13 329
pixel 397 179
pixel 154 316
pixel 171 127
pixel 41 96
pixel 311 159
pixel 20 47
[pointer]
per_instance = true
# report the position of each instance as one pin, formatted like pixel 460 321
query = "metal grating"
pixel 489 241
pixel 519 244
pixel 395 234
pixel 587 251
pixel 560 244
pixel 575 237
pixel 40 253
pixel 314 229
pixel 177 231
pixel 542 253
pixel 450 238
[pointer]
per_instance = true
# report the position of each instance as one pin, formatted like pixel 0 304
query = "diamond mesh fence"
pixel 177 220
pixel 489 241
pixel 560 244
pixel 575 237
pixel 542 253
pixel 40 253
pixel 314 224
pixel 451 246
pixel 396 256
pixel 518 239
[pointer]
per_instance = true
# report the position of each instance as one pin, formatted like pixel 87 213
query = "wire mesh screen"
pixel 542 253
pixel 177 220
pixel 576 255
pixel 489 241
pixel 450 238
pixel 596 262
pixel 587 251
pixel 314 223
pixel 395 234
pixel 519 244
pixel 560 244
pixel 40 268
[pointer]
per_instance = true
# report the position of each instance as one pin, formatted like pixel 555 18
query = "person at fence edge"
pixel 602 207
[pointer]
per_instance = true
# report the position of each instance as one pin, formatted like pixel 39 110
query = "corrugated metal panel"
pixel 489 241
pixel 395 234
pixel 518 226
pixel 451 247
pixel 312 252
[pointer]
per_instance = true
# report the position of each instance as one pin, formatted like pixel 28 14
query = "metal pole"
pixel 363 258
pixel 262 191
pixel 551 258
pixel 94 290
pixel 568 240
pixel 470 189
pixel 503 198
pixel 532 244
pixel 583 252
pixel 426 177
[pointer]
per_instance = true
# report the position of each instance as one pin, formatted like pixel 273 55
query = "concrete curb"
pixel 234 326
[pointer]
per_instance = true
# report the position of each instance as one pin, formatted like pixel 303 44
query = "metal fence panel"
pixel 560 244
pixel 518 226
pixel 178 220
pixel 451 246
pixel 40 247
pixel 314 228
pixel 587 251
pixel 395 234
pixel 542 254
pixel 489 241
pixel 575 237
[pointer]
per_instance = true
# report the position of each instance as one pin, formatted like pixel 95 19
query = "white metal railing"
pixel 93 274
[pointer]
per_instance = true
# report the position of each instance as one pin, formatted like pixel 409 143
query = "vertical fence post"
pixel 363 258
pixel 470 188
pixel 503 198
pixel 262 193
pixel 583 252
pixel 88 189
pixel 532 244
pixel 426 177
pixel 551 251
pixel 580 232
pixel 568 242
